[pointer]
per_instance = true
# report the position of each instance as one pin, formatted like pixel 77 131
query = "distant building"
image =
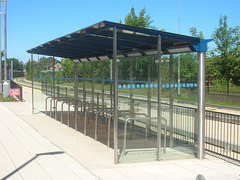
pixel 46 65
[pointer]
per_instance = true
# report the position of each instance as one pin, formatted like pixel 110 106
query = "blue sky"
pixel 33 22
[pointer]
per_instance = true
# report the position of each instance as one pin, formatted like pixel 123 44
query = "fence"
pixel 221 129
pixel 210 81
pixel 222 134
pixel 17 73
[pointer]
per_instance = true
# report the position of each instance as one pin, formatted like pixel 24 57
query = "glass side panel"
pixel 137 139
pixel 137 102
pixel 179 107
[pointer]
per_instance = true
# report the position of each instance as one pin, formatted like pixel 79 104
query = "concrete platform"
pixel 39 147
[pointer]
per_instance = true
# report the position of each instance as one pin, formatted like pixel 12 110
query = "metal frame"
pixel 115 103
pixel 1 85
pixel 103 89
pixel 201 105
pixel 149 97
pixel 76 94
pixel 94 43
pixel 46 104
pixel 32 86
pixel 159 115
pixel 171 101
pixel 54 98
pixel 146 132
pixel 101 42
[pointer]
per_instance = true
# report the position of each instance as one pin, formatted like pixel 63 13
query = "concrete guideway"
pixel 43 153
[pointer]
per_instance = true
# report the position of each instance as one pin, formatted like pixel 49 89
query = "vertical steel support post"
pixel 171 100
pixel 179 81
pixel 84 90
pixel 5 40
pixel 131 92
pixel 1 85
pixel 131 98
pixel 103 89
pixel 32 86
pixel 97 101
pixel 149 97
pixel 159 130
pixel 84 101
pixel 111 98
pixel 196 126
pixel 11 70
pixel 115 125
pixel 92 84
pixel 76 95
pixel 201 105
pixel 42 86
pixel 58 92
pixel 51 89
pixel 6 85
pixel 46 87
pixel 54 97
pixel 66 93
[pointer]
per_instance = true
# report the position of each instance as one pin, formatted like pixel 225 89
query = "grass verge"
pixel 7 99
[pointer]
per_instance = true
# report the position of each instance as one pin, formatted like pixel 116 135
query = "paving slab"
pixel 25 154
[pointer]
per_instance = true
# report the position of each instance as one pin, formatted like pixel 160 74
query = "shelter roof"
pixel 96 43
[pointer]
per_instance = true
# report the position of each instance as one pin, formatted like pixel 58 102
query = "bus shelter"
pixel 133 112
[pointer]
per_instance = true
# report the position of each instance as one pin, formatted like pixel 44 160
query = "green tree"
pixel 36 70
pixel 17 65
pixel 142 20
pixel 228 50
pixel 188 63
pixel 188 67
pixel 28 69
pixel 195 33
pixel 68 68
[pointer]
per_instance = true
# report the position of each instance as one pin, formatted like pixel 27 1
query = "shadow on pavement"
pixel 36 156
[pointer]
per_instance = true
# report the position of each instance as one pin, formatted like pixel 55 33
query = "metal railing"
pixel 141 119
pixel 222 130
pixel 222 134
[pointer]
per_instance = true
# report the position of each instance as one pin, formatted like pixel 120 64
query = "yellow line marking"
pixel 30 89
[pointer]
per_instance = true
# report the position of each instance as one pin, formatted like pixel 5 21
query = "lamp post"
pixel 0 52
pixel 6 90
